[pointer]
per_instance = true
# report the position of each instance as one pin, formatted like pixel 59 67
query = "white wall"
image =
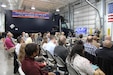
pixel 109 25
pixel 2 21
pixel 64 13
pixel 86 16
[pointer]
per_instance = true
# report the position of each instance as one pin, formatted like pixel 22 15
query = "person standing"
pixel 9 44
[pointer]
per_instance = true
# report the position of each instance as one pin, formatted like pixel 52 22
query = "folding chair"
pixel 20 71
pixel 61 65
pixel 71 70
pixel 50 57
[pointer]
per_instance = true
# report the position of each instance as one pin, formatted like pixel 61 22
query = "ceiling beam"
pixel 20 2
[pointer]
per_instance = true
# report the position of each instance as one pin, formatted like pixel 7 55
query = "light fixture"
pixel 57 10
pixel 77 12
pixel 3 5
pixel 33 8
pixel 45 0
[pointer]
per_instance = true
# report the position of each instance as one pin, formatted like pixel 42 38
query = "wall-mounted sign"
pixel 110 12
pixel 29 14
pixel 81 30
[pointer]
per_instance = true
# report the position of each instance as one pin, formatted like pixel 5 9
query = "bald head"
pixel 107 43
pixel 108 38
pixel 89 39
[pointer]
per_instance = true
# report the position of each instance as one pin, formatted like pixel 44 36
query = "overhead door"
pixel 85 16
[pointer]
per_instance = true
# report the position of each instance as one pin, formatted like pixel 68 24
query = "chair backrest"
pixel 43 52
pixel 50 56
pixel 71 70
pixel 60 62
pixel 20 71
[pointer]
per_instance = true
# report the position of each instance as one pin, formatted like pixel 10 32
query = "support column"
pixel 103 12
pixel 69 17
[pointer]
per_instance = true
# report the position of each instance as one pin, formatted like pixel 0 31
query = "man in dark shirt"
pixel 106 52
pixel 105 57
pixel 29 65
pixel 61 50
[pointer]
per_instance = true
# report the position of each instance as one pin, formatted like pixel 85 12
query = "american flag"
pixel 110 12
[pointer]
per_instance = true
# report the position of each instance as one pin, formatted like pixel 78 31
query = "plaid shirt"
pixel 90 48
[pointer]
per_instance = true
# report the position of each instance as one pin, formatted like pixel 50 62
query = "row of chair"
pixel 67 68
pixel 61 65
pixel 105 65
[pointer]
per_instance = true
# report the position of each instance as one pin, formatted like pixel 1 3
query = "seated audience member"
pixel 39 38
pixel 29 65
pixel 106 52
pixel 57 34
pixel 108 37
pixel 9 44
pixel 16 53
pixel 48 36
pixel 21 54
pixel 20 40
pixel 44 42
pixel 83 65
pixel 29 39
pixel 61 50
pixel 24 36
pixel 89 47
pixel 62 33
pixel 70 34
pixel 105 57
pixel 51 44
pixel 33 37
pixel 95 43
pixel 81 37
pixel 44 35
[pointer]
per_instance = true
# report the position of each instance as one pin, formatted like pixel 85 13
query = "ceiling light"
pixel 57 10
pixel 45 0
pixel 33 8
pixel 77 12
pixel 3 5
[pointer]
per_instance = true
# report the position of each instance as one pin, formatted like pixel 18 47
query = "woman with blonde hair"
pixel 44 42
pixel 22 52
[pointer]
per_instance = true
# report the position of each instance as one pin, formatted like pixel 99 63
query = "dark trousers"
pixel 16 64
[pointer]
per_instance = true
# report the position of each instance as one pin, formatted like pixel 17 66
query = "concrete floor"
pixel 6 65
